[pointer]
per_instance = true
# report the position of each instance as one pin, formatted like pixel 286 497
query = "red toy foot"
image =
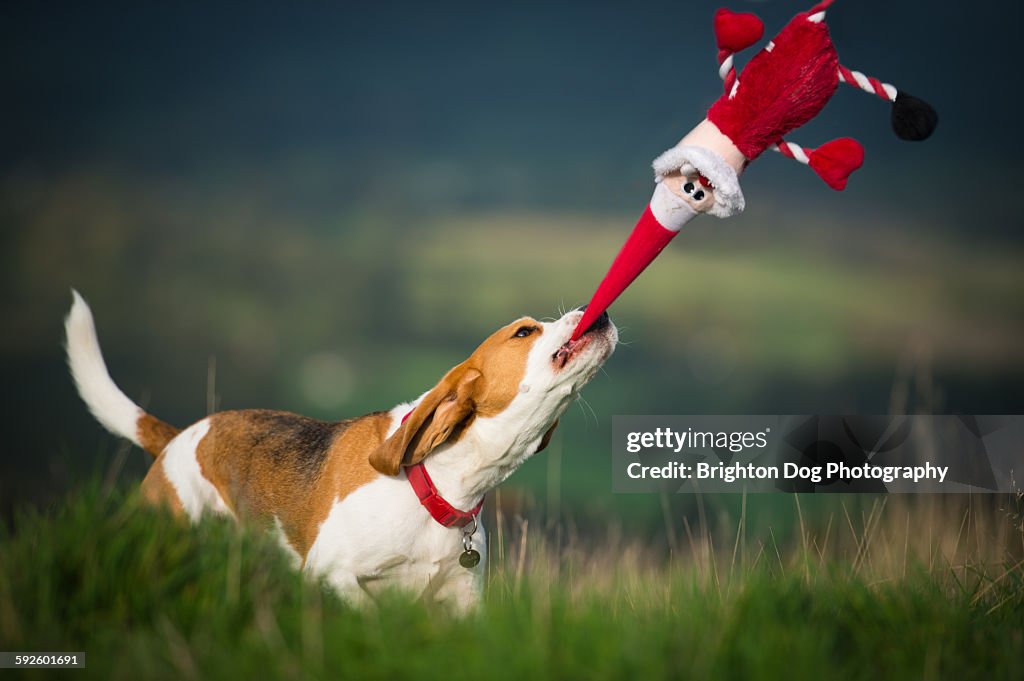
pixel 835 160
pixel 736 31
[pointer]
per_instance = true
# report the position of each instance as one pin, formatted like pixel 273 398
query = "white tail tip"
pixel 108 404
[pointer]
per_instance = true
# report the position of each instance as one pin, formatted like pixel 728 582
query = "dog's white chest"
pixel 380 537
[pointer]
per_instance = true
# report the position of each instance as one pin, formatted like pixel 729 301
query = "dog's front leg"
pixel 463 589
pixel 349 588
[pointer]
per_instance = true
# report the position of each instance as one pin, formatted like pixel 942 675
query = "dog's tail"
pixel 108 404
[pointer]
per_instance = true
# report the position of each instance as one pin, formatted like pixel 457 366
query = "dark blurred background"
pixel 323 208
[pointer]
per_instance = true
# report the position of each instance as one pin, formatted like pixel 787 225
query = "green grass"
pixel 147 597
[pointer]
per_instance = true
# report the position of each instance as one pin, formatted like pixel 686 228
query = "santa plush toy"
pixel 783 87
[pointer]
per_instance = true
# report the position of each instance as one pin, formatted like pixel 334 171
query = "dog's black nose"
pixel 599 323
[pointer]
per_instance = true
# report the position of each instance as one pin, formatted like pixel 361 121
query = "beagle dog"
pixel 385 500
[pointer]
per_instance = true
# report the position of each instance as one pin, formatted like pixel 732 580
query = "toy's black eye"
pixel 699 194
pixel 688 187
pixel 524 331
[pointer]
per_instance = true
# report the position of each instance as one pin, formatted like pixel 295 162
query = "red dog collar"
pixel 443 512
pixel 439 508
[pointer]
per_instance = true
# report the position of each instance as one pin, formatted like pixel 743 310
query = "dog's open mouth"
pixel 569 349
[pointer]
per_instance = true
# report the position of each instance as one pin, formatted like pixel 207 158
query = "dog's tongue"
pixel 641 248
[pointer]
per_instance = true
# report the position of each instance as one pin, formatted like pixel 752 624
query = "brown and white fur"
pixel 336 492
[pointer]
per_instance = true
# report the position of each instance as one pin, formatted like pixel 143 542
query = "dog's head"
pixel 509 393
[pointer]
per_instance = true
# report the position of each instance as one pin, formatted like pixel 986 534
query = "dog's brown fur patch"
pixel 273 464
pixel 154 434
pixel 501 360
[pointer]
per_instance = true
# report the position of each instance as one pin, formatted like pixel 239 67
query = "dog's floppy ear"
pixel 443 411
pixel 546 440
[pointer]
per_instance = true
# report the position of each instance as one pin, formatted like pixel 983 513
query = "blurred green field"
pixel 896 593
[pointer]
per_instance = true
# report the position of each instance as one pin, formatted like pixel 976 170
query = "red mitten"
pixel 736 31
pixel 835 160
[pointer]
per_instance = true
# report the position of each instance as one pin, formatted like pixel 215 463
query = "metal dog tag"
pixel 469 558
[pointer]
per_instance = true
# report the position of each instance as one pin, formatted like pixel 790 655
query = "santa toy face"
pixel 688 185
pixel 703 170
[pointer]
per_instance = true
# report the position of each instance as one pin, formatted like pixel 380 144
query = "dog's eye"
pixel 698 195
pixel 524 331
pixel 688 187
